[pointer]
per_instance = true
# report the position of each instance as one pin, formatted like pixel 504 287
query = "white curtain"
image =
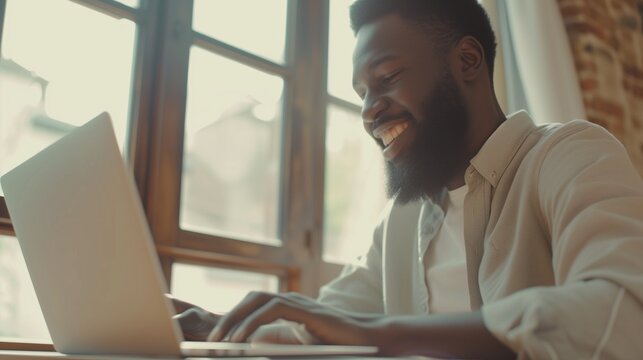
pixel 538 63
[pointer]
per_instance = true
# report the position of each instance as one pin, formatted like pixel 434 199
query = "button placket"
pixel 431 217
pixel 468 177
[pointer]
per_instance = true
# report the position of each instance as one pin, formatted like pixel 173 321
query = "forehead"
pixel 389 36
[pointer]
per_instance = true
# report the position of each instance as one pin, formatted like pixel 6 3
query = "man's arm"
pixel 197 323
pixel 359 287
pixel 459 335
pixel 591 200
pixel 448 335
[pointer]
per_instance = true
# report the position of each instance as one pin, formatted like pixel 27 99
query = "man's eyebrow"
pixel 377 62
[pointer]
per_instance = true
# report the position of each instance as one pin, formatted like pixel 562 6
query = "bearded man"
pixel 502 238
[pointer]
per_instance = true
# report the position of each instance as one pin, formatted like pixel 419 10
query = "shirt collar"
pixel 496 153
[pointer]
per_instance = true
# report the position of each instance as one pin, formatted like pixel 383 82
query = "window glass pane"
pixel 354 186
pixel 232 150
pixel 340 52
pixel 217 290
pixel 20 315
pixel 256 26
pixel 62 64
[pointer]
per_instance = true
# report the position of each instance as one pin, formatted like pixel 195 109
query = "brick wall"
pixel 606 37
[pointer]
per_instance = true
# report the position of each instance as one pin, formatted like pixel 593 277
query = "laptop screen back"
pixel 88 248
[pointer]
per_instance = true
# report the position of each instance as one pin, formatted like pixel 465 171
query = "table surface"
pixel 48 355
pixel 37 355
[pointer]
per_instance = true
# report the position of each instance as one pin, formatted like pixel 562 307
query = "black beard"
pixel 438 151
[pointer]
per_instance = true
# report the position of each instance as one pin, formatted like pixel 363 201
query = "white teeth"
pixel 387 138
pixel 391 134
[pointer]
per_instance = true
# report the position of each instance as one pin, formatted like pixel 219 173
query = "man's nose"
pixel 372 107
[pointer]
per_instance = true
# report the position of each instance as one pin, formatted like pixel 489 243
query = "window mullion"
pixel 110 8
pixel 143 79
pixel 3 6
pixel 244 57
pixel 234 247
pixel 5 222
pixel 305 144
pixel 167 119
pixel 349 106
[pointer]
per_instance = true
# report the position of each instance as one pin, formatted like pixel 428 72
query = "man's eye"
pixel 388 79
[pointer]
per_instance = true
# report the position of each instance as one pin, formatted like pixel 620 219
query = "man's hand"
pixel 196 322
pixel 325 324
pixel 441 335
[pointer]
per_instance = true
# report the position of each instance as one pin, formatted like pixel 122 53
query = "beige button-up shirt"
pixel 553 225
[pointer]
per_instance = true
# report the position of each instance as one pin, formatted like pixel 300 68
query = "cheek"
pixel 404 94
pixel 410 93
pixel 413 101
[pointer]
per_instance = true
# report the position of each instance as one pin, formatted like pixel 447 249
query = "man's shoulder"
pixel 563 150
pixel 555 133
pixel 565 147
pixel 575 136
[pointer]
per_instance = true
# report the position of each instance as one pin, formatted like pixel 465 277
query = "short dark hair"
pixel 448 21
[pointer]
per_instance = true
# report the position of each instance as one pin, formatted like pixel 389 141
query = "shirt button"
pixel 493 174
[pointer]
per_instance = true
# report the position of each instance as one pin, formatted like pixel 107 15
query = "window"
pixel 60 66
pixel 231 152
pixel 221 121
pixel 236 186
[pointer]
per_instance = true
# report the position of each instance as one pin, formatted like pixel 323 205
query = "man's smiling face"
pixel 412 106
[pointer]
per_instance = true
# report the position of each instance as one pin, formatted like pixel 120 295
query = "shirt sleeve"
pixel 591 198
pixel 359 286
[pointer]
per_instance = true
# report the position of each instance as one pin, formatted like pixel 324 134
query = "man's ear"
pixel 470 58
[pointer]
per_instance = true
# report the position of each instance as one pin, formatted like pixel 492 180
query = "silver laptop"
pixel 91 258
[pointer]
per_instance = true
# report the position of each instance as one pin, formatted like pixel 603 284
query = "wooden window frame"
pixel 296 262
pixel 154 150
